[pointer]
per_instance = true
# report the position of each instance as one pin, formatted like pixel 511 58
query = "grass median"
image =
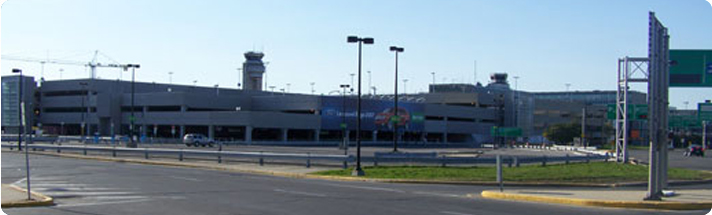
pixel 597 172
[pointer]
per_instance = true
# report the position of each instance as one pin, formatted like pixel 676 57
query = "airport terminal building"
pixel 170 111
pixel 446 114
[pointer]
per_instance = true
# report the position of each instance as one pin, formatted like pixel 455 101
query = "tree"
pixel 563 133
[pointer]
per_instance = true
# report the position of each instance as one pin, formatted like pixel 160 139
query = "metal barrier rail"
pixel 308 157
pixel 510 161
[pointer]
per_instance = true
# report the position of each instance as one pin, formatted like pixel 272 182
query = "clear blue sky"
pixel 547 43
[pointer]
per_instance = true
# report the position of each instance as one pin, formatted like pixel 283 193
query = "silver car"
pixel 197 140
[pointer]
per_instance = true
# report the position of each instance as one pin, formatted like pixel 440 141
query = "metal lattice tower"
pixel 630 70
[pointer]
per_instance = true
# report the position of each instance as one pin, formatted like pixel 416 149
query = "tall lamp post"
pixel 132 119
pixel 396 118
pixel 21 130
pixel 84 111
pixel 343 118
pixel 367 40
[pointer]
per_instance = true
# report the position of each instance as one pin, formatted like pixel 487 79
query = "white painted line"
pixel 185 178
pixel 367 188
pixel 101 203
pixel 116 197
pixel 439 194
pixel 58 189
pixel 58 185
pixel 300 193
pixel 60 193
pixel 453 213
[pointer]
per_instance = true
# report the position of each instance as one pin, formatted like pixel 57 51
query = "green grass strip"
pixel 597 172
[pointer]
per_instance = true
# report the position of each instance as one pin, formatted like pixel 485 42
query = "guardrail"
pixel 182 153
pixel 307 158
pixel 510 161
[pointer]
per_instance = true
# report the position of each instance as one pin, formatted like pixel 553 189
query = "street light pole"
pixel 132 119
pixel 343 118
pixel 396 118
pixel 369 80
pixel 21 130
pixel 353 39
pixel 84 111
pixel 19 110
pixel 352 80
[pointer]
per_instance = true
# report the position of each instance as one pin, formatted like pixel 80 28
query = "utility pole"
pixel 704 134
pixel 583 128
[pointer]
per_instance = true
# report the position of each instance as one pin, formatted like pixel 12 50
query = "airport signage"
pixel 690 68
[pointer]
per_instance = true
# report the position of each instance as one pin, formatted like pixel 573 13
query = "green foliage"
pixel 597 172
pixel 563 133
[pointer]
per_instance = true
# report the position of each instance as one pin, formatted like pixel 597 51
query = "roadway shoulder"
pixel 659 205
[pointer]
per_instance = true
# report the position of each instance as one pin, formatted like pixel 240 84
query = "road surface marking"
pixel 300 193
pixel 453 213
pixel 102 203
pixel 438 194
pixel 185 178
pixel 368 188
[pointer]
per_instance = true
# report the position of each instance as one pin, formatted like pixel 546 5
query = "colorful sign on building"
pixel 339 112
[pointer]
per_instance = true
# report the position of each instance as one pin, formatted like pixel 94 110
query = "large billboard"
pixel 338 112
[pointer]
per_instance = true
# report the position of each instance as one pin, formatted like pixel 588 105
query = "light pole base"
pixel 654 197
pixel 358 172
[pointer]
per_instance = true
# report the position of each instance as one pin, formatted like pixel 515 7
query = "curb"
pixel 348 178
pixel 43 200
pixel 598 203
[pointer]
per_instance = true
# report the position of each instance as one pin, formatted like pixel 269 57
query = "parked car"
pixel 197 140
pixel 695 150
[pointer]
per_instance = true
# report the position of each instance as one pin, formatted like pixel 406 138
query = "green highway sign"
pixel 704 112
pixel 690 68
pixel 683 121
pixel 635 112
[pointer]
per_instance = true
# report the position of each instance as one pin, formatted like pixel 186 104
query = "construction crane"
pixel 93 64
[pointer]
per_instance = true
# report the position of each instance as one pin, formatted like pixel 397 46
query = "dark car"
pixel 695 150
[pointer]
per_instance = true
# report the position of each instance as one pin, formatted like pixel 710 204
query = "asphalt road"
pixel 90 187
pixel 676 159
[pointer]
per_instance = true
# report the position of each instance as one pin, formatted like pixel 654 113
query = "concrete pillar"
pixel 182 131
pixel 211 131
pixel 248 134
pixel 316 135
pixel 285 135
pixel 445 131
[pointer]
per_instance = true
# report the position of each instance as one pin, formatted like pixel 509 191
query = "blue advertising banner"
pixel 338 112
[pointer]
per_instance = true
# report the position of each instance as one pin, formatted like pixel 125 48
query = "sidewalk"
pixel 13 196
pixel 697 199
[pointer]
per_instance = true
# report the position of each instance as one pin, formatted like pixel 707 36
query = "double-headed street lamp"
pixel 396 118
pixel 367 40
pixel 132 119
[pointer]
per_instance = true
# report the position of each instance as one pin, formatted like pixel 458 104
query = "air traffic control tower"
pixel 252 71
